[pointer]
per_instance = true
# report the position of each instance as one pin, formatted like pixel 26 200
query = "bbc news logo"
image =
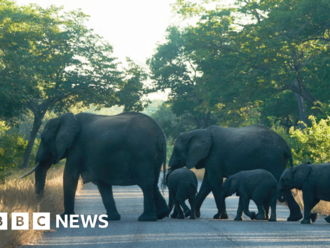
pixel 41 221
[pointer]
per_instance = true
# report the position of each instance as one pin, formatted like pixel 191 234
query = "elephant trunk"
pixel 279 193
pixel 40 177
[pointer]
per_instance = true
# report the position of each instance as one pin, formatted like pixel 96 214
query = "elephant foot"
pixel 253 215
pixel 313 217
pixel 223 216
pixel 163 214
pixel 261 217
pixel 327 219
pixel 174 216
pixel 295 216
pixel 304 221
pixel 192 217
pixel 112 217
pixel 187 213
pixel 272 219
pixel 148 217
pixel 238 218
pixel 198 213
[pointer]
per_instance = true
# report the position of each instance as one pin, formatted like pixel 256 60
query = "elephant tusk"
pixel 31 171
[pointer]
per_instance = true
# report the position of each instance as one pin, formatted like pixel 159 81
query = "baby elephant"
pixel 313 180
pixel 258 185
pixel 182 185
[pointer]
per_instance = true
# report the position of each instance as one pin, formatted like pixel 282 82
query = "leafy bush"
pixel 12 147
pixel 311 144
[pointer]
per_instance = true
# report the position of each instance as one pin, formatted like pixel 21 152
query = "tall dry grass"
pixel 323 207
pixel 18 195
pixel 199 173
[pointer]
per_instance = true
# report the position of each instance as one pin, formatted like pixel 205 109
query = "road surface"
pixel 203 232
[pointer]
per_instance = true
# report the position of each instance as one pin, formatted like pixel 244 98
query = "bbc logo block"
pixel 3 221
pixel 41 221
pixel 20 221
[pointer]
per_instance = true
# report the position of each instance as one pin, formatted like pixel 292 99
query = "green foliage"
pixel 12 147
pixel 309 145
pixel 258 59
pixel 170 123
pixel 314 140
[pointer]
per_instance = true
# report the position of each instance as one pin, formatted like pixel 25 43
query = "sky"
pixel 132 27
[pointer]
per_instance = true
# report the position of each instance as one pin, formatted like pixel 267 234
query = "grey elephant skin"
pixel 182 185
pixel 225 151
pixel 313 180
pixel 124 149
pixel 257 185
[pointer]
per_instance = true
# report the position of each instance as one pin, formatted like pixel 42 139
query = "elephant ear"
pixel 199 146
pixel 68 130
pixel 301 174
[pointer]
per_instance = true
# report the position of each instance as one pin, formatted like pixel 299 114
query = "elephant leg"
pixel 272 204
pixel 149 213
pixel 261 212
pixel 239 211
pixel 308 206
pixel 266 208
pixel 202 194
pixel 174 215
pixel 161 206
pixel 70 182
pixel 192 207
pixel 180 198
pixel 178 210
pixel 314 215
pixel 295 212
pixel 245 205
pixel 215 180
pixel 108 201
pixel 186 209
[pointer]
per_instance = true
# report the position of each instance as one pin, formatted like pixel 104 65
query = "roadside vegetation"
pixel 18 195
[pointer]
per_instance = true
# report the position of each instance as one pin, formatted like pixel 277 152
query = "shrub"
pixel 12 147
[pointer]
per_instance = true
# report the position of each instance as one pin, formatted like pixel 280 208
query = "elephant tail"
pixel 288 154
pixel 164 180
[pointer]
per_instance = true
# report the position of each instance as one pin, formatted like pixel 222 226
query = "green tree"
pixel 265 45
pixel 172 67
pixel 49 61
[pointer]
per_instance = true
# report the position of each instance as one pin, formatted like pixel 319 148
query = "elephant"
pixel 182 185
pixel 258 185
pixel 124 149
pixel 225 151
pixel 313 180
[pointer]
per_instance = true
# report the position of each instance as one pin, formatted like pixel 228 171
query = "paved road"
pixel 204 232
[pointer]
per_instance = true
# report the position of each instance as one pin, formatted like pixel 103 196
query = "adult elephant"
pixel 124 149
pixel 226 151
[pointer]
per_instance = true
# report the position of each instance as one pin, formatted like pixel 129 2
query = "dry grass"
pixel 199 173
pixel 18 195
pixel 322 207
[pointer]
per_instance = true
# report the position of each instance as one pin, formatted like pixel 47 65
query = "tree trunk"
pixel 33 135
pixel 302 111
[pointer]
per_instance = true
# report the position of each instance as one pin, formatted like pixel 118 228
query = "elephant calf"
pixel 313 180
pixel 182 185
pixel 258 185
